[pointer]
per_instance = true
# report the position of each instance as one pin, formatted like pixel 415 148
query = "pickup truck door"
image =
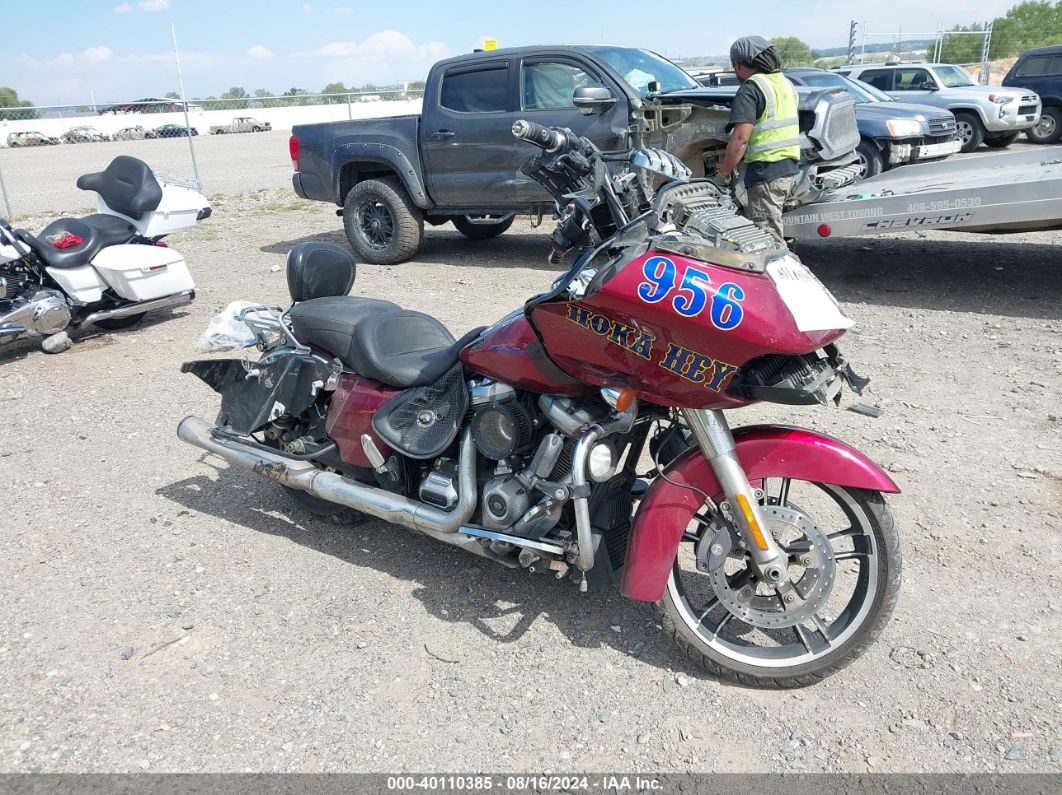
pixel 545 88
pixel 469 151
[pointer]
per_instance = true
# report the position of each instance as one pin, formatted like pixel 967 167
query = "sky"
pixel 69 51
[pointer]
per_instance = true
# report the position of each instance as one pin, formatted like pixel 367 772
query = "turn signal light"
pixel 750 520
pixel 625 400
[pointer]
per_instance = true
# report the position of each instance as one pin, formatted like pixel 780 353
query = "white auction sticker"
pixel 812 306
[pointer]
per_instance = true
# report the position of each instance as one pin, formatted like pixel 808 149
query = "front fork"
pixel 741 506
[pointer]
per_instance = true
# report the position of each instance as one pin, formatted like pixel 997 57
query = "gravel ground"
pixel 163 612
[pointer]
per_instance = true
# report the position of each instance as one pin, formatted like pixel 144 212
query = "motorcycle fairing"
pixel 252 393
pixel 764 451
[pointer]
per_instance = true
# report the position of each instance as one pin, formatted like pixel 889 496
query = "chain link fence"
pixel 46 148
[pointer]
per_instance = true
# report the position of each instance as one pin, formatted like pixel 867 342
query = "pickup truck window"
pixel 476 91
pixel 641 67
pixel 1039 65
pixel 550 85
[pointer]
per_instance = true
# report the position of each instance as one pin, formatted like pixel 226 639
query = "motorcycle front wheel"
pixel 841 587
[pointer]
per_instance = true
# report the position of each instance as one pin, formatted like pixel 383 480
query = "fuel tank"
pixel 510 352
pixel 678 330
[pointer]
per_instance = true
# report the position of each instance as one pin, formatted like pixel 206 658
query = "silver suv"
pixel 984 114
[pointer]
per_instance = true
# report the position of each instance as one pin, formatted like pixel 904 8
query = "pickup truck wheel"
pixel 1000 141
pixel 971 131
pixel 481 231
pixel 870 160
pixel 382 224
pixel 1048 130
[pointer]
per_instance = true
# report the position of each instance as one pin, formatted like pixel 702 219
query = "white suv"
pixel 984 114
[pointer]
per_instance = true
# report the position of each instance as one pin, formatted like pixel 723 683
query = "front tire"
pixel 971 131
pixel 383 225
pixel 870 159
pixel 1000 140
pixel 481 231
pixel 759 648
pixel 1048 130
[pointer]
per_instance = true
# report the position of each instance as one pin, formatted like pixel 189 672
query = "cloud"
pixel 97 54
pixel 124 8
pixel 338 10
pixel 385 44
pixel 86 56
pixel 260 51
pixel 153 5
pixel 307 8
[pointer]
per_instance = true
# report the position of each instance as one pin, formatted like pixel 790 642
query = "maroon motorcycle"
pixel 585 435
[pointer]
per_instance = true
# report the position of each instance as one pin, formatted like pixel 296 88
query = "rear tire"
pixel 971 131
pixel 1048 130
pixel 383 225
pixel 1000 140
pixel 475 231
pixel 117 323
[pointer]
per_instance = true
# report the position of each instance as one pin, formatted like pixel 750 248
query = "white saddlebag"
pixel 141 272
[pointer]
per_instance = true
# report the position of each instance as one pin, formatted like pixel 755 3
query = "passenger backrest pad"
pixel 319 270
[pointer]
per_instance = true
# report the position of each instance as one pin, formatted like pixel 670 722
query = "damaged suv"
pixel 458 161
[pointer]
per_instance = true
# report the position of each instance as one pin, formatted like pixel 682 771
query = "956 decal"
pixel 691 296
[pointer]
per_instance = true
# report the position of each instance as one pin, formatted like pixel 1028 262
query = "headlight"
pixel 1000 99
pixel 601 463
pixel 904 128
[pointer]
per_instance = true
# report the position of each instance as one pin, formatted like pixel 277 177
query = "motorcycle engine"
pixel 42 313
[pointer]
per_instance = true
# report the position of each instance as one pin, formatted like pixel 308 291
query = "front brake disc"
pixel 806 588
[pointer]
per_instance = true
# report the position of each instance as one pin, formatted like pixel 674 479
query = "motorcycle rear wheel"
pixel 702 614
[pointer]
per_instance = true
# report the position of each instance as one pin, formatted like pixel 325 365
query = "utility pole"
pixel 184 103
pixel 985 68
pixel 852 28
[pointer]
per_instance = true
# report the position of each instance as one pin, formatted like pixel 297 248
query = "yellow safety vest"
pixel 776 135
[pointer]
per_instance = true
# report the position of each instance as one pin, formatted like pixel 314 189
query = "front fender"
pixel 764 451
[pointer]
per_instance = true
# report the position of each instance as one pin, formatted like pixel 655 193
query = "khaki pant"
pixel 764 202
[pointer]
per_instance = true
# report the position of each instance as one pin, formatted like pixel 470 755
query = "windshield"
pixel 953 76
pixel 861 92
pixel 641 67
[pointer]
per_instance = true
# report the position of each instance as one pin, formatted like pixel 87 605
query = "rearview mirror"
pixel 593 98
pixel 929 85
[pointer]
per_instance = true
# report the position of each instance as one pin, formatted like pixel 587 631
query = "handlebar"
pixel 540 136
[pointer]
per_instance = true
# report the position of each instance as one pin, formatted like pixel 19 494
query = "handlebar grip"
pixel 536 134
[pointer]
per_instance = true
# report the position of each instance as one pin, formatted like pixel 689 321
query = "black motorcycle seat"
pixel 128 185
pixel 96 232
pixel 378 339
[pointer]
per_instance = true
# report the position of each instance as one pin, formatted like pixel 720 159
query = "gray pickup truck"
pixel 458 161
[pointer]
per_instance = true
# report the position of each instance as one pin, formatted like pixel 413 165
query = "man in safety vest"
pixel 765 133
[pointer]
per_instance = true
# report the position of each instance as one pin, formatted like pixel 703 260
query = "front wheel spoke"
pixel 802 636
pixel 712 603
pixel 848 532
pixel 722 623
pixel 851 555
pixel 688 536
pixel 822 627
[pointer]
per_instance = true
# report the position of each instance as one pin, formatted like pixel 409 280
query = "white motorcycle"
pixel 107 269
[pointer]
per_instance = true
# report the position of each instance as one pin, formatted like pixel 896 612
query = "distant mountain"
pixel 887 46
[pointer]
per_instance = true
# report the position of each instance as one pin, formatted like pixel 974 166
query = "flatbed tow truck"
pixel 995 194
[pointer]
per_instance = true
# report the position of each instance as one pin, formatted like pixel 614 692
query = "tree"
pixel 260 94
pixel 9 99
pixel 237 96
pixel 793 51
pixel 1026 25
pixel 335 89
pixel 962 49
pixel 299 96
pixel 172 95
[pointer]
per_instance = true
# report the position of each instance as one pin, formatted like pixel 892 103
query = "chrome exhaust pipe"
pixel 177 299
pixel 333 487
